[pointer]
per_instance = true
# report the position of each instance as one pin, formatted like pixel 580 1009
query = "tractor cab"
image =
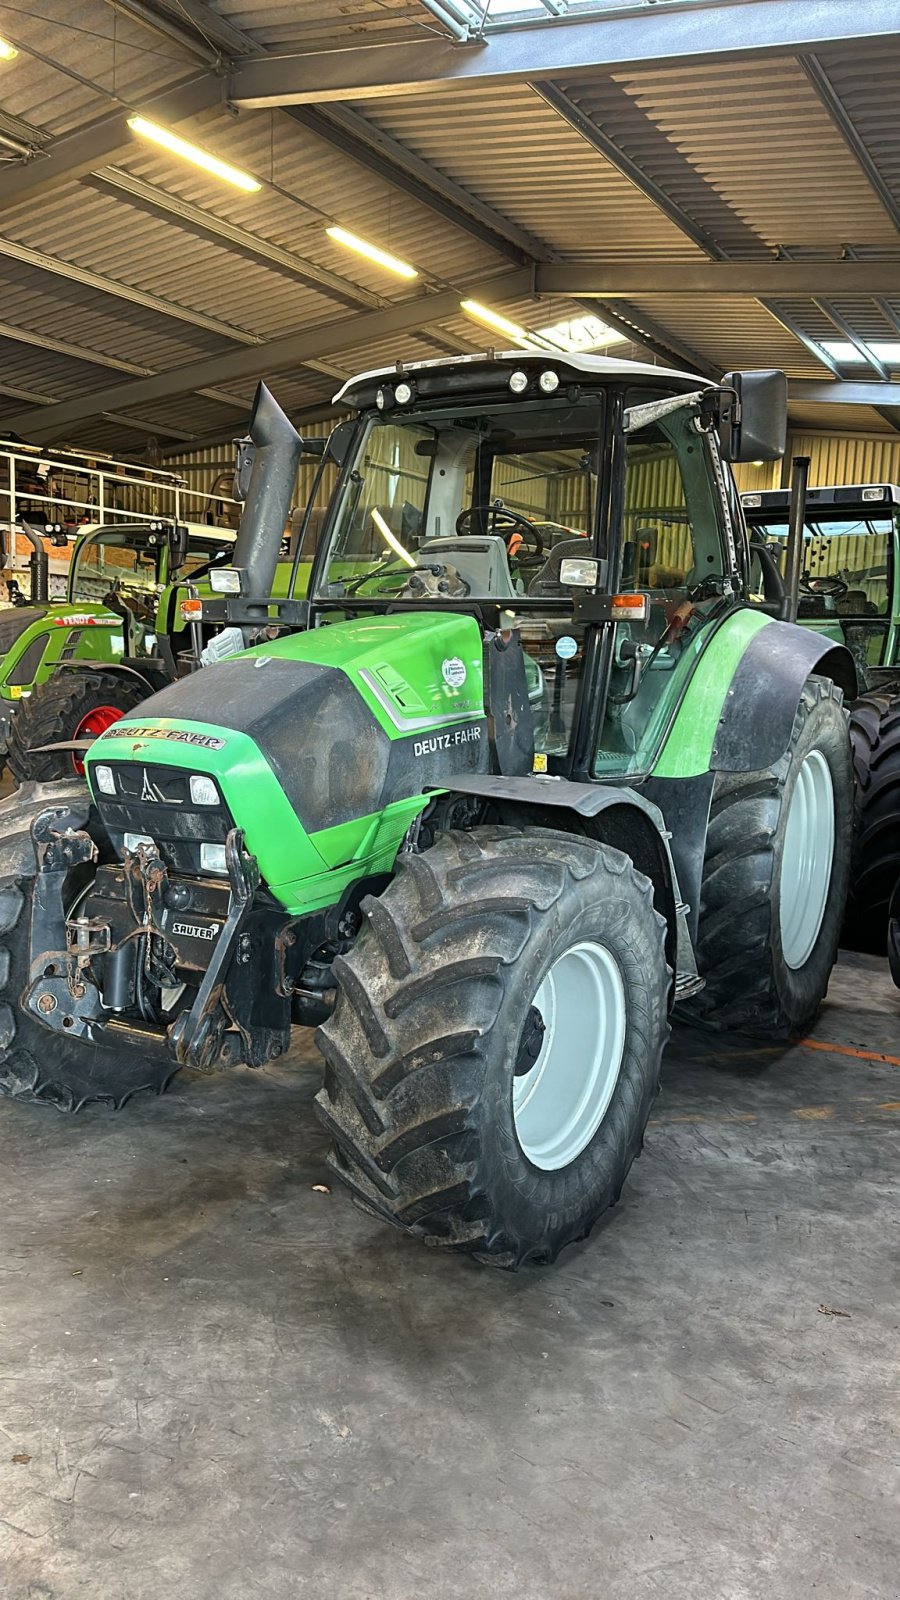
pixel 849 583
pixel 580 502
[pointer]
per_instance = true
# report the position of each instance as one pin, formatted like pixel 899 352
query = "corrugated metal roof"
pixel 746 150
pixel 509 148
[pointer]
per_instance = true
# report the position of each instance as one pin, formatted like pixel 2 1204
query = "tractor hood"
pixel 322 746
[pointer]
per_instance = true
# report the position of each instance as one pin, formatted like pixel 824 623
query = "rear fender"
pixel 761 703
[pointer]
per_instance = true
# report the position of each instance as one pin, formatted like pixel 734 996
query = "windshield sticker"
pixel 205 741
pixel 566 647
pixel 454 672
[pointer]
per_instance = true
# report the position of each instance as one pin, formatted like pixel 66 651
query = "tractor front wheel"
pixel 775 878
pixel 78 703
pixel 875 734
pixel 496 1043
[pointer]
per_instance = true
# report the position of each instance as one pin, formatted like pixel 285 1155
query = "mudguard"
pixel 759 709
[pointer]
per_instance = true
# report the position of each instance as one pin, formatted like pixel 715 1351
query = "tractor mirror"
pixel 339 442
pixel 178 545
pixel 753 416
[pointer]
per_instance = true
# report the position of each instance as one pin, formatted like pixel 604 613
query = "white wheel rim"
pixel 807 860
pixel 559 1104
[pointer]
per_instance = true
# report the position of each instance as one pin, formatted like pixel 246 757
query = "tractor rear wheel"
pixel 77 703
pixel 775 878
pixel 875 734
pixel 36 1065
pixel 495 1048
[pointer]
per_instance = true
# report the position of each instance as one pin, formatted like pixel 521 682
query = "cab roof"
pixel 597 367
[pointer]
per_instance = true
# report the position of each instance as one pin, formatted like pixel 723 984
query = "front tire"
pixel 775 878
pixel 78 702
pixel 36 1065
pixel 497 961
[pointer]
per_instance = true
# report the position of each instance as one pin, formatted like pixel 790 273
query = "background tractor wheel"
pixel 78 703
pixel 34 1063
pixel 875 734
pixel 775 878
pixel 496 1044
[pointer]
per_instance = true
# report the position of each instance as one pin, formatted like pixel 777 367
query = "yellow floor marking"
pixel 846 1050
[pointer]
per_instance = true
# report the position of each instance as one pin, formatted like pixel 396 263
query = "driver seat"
pixel 480 560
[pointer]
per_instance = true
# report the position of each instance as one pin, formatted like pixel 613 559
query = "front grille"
pixel 156 801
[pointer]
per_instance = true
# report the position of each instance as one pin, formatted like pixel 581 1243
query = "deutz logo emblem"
pixel 148 792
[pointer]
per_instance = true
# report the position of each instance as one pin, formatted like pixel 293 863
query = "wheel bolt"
pixel 46 1003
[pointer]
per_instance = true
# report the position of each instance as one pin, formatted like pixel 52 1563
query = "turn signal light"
pixel 635 607
pixel 191 610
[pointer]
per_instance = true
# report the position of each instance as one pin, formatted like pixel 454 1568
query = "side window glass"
pixel 676 555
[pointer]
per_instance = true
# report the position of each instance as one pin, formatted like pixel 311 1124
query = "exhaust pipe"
pixel 272 453
pixel 38 564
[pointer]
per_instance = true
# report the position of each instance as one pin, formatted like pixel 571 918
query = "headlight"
pixel 403 394
pixel 518 381
pixel 225 580
pixel 103 777
pixel 203 790
pixel 212 859
pixel 549 381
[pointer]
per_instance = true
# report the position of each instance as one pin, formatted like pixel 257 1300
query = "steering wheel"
pixel 828 587
pixel 507 524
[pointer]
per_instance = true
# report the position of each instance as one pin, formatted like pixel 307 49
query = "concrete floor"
pixel 217 1383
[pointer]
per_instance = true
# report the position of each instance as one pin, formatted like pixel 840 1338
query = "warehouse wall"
pixel 835 458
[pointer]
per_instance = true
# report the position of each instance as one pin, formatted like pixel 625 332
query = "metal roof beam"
pixel 71 157
pixel 563 47
pixel 166 27
pixel 277 355
pixel 613 280
pixel 379 153
pixel 160 203
pixel 845 392
pixel 850 134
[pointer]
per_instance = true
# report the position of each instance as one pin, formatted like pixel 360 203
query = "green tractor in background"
pixel 132 623
pixel 483 814
pixel 849 590
pixel 110 644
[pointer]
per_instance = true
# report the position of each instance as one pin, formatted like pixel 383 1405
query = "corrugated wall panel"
pixel 836 459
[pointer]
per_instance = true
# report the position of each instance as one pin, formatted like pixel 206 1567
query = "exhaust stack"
pixel 273 457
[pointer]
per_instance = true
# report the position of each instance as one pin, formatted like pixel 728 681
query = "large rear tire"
pixel 875 734
pixel 496 1043
pixel 775 878
pixel 36 1065
pixel 78 702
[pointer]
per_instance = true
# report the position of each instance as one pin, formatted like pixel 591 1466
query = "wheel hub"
pixel 807 860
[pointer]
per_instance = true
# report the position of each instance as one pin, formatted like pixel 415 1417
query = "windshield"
pixel 846 566
pixel 115 563
pixel 468 503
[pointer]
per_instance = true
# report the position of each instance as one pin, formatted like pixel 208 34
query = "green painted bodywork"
pixel 91 632
pixel 687 751
pixel 396 664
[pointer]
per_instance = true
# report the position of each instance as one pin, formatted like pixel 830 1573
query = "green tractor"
pixel 69 670
pixel 484 813
pixel 849 590
pixel 138 590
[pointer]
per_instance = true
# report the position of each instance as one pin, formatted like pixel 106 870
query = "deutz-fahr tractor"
pixel 485 816
pixel 849 589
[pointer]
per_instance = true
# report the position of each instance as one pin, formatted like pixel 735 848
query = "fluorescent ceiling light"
pixel 8 52
pixel 887 350
pixel 362 247
pixel 493 319
pixel 193 153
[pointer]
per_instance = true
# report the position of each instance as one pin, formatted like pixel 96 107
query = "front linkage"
pixel 109 944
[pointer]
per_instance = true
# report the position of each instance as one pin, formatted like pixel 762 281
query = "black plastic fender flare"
pixel 759 708
pixel 630 823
